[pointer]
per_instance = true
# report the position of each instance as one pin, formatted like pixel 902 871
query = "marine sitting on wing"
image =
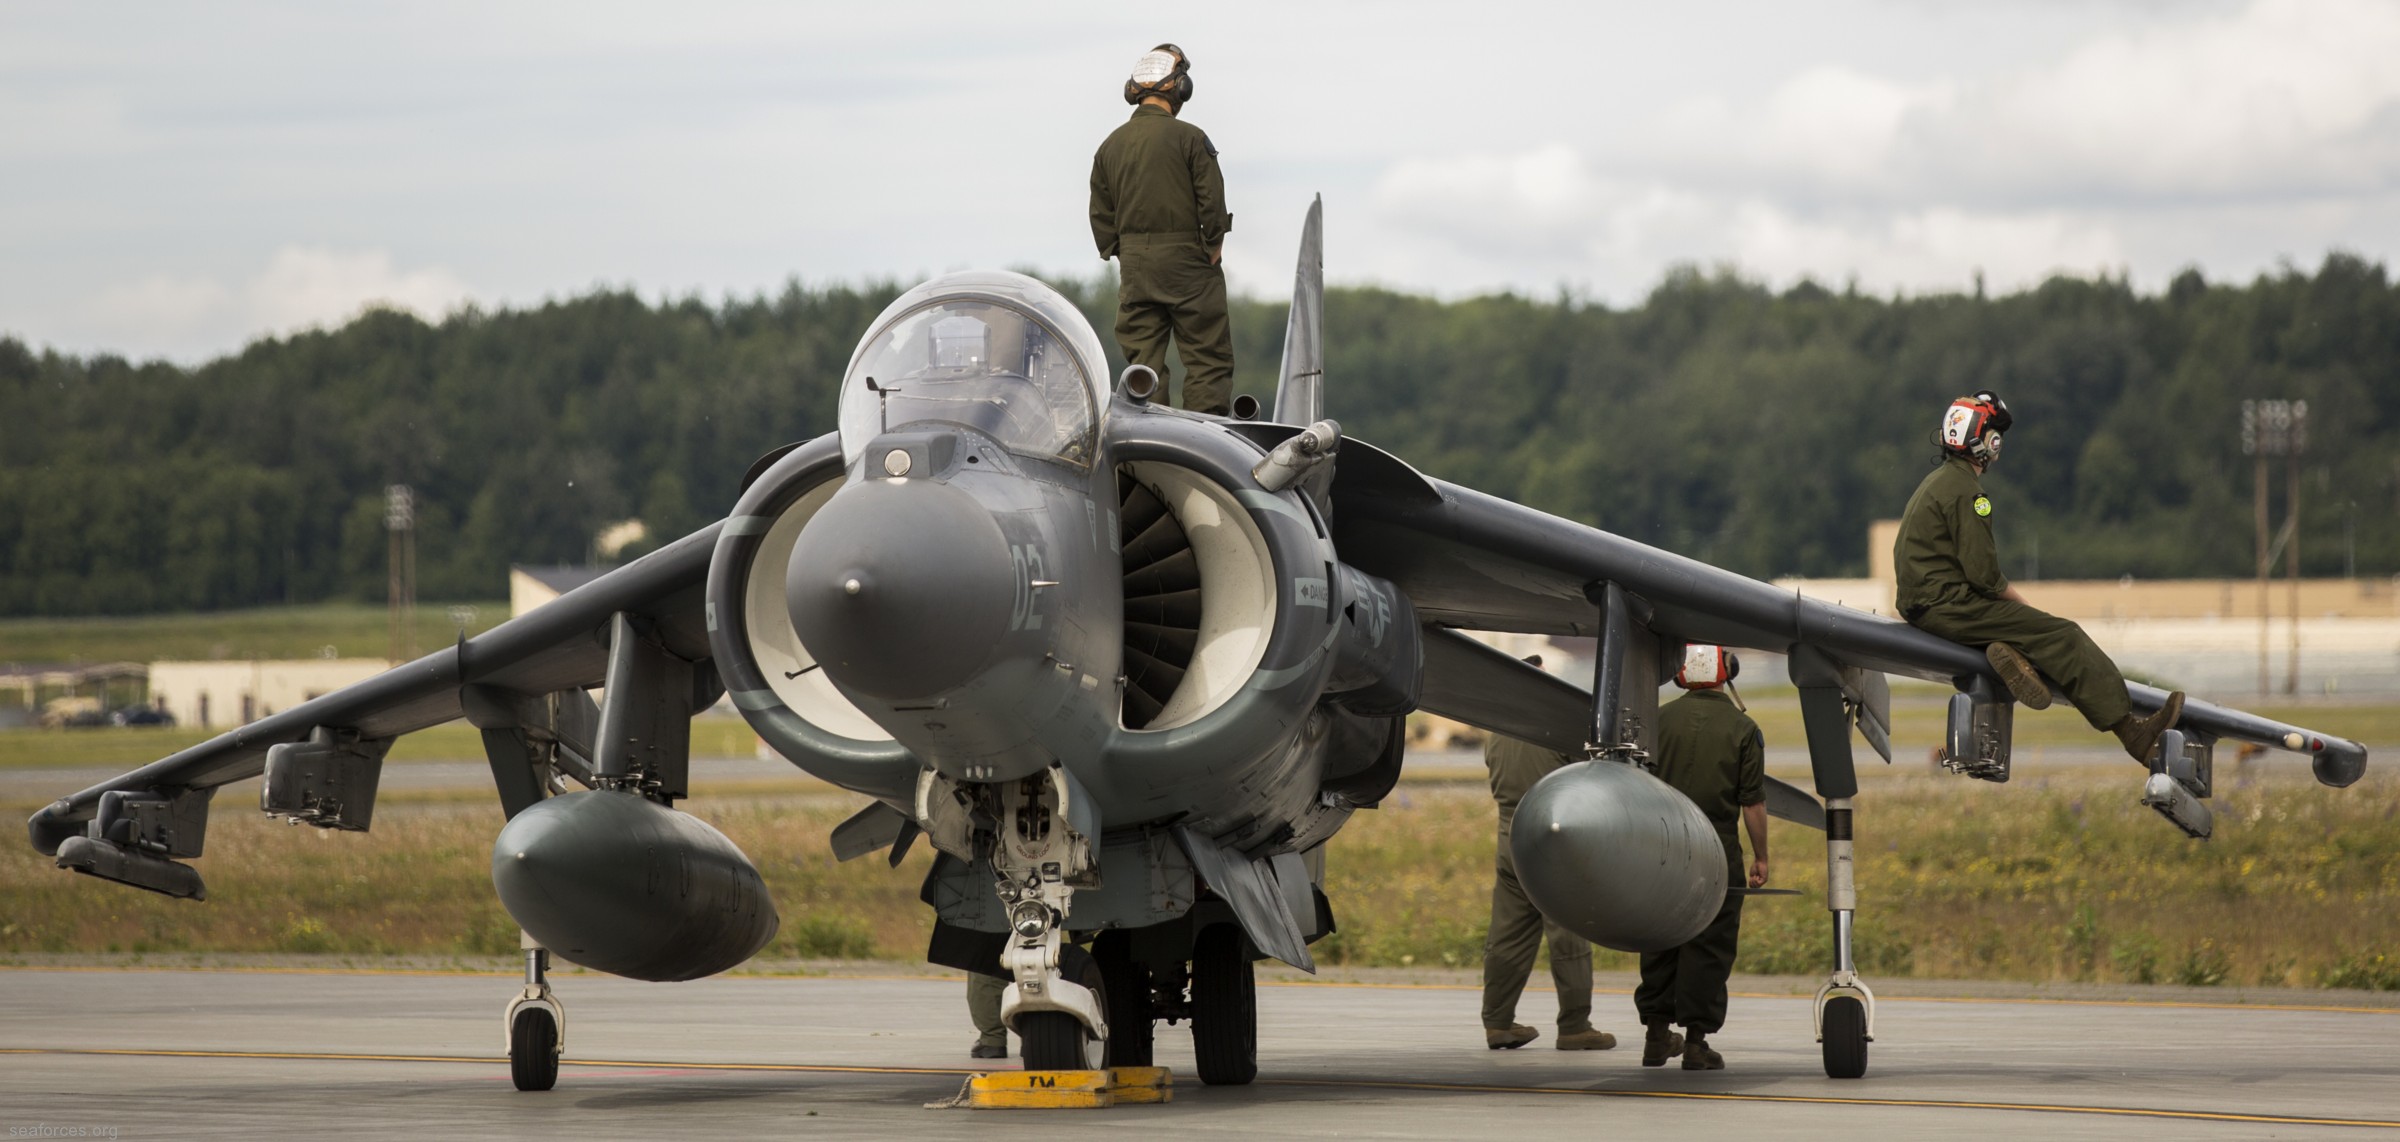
pixel 1949 584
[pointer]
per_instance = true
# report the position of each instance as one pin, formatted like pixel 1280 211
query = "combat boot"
pixel 1509 1038
pixel 1697 1056
pixel 1660 1045
pixel 1587 1039
pixel 2141 735
pixel 2017 673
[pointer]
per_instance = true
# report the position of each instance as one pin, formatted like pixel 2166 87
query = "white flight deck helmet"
pixel 1163 71
pixel 1710 667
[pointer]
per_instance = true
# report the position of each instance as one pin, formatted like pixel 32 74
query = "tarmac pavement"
pixel 363 1055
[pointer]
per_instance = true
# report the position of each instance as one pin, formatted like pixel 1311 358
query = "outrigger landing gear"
pixel 537 1025
pixel 1845 1008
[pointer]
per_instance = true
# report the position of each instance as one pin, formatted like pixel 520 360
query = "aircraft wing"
pixel 564 645
pixel 1479 562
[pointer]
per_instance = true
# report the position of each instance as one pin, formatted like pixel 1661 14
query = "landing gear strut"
pixel 1054 1001
pixel 537 1026
pixel 1845 1008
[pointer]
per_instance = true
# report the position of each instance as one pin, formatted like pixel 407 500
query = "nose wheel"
pixel 536 1028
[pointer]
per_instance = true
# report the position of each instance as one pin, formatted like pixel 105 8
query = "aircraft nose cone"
pixel 901 588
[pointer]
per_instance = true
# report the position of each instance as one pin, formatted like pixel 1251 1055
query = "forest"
pixel 1758 429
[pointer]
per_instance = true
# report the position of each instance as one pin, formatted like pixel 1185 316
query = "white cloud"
pixel 300 287
pixel 2298 96
pixel 2148 145
pixel 1483 220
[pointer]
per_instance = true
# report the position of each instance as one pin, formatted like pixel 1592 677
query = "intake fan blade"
pixel 1162 601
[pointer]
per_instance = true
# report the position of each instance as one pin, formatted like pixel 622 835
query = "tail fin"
pixel 1300 387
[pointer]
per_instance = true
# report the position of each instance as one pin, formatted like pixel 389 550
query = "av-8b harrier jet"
pixel 1128 669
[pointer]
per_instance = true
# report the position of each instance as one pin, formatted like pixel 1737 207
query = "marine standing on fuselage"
pixel 1712 753
pixel 1949 584
pixel 1158 208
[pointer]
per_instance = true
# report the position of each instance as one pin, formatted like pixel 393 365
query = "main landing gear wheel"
pixel 1055 1040
pixel 533 1049
pixel 1845 1037
pixel 1224 1007
pixel 1126 994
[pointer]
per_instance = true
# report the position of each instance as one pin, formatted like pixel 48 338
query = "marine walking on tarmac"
pixel 1948 567
pixel 1710 751
pixel 1158 208
pixel 1518 928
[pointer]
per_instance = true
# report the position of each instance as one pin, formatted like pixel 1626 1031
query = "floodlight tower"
pixel 400 520
pixel 2277 428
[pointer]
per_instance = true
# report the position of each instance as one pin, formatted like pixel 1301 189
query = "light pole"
pixel 400 519
pixel 2277 428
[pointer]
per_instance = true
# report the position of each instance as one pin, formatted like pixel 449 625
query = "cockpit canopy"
pixel 997 352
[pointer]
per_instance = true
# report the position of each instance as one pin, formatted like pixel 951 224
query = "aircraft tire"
pixel 1054 1041
pixel 1125 985
pixel 1224 1007
pixel 1845 1038
pixel 533 1050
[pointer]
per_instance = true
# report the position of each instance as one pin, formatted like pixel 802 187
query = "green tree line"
pixel 1758 429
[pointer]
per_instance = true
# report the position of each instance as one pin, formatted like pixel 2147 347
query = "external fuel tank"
pixel 1617 856
pixel 622 884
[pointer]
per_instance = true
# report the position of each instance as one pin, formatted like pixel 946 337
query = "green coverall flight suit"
pixel 1158 208
pixel 1950 585
pixel 1517 927
pixel 983 1006
pixel 1711 752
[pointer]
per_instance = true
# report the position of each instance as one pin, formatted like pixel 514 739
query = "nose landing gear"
pixel 1054 1001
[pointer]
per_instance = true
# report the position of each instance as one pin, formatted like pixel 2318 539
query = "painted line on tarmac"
pixel 765 977
pixel 1347 1084
pixel 1827 1100
pixel 479 1060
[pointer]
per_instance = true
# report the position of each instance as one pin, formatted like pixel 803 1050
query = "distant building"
pixel 530 587
pixel 234 692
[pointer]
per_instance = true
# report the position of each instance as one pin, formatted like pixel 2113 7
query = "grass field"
pixel 354 630
pixel 2055 879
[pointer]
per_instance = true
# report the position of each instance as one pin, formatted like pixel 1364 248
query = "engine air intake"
pixel 1162 600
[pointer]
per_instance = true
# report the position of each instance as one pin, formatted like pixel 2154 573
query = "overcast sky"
pixel 177 178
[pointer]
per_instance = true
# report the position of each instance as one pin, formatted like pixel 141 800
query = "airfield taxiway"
pixel 361 1055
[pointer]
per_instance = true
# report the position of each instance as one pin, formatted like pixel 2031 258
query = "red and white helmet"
pixel 1706 667
pixel 1972 426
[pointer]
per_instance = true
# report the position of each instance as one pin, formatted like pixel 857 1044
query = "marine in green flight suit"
pixel 1710 751
pixel 1949 583
pixel 1518 928
pixel 1158 208
pixel 984 993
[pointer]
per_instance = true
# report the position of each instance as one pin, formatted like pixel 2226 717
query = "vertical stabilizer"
pixel 1300 387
